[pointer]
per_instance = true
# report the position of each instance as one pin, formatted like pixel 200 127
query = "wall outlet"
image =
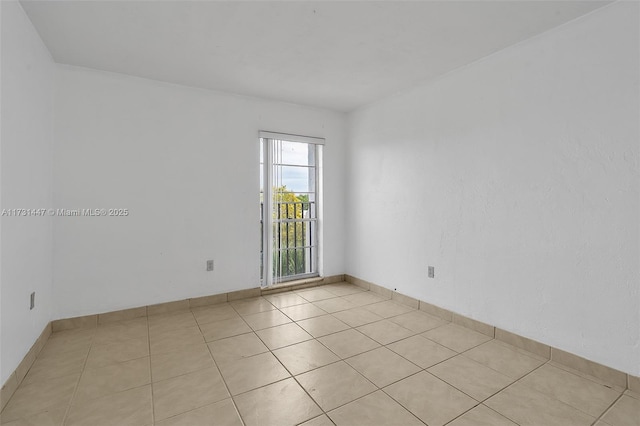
pixel 209 265
pixel 32 302
pixel 432 271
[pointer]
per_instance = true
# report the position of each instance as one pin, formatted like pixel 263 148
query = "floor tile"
pixel 121 315
pixel 53 416
pixel 382 366
pixel 303 311
pixel 364 298
pixel 472 378
pixel 244 374
pixel 241 346
pixel 167 307
pixel 121 332
pixel 185 360
pixel 385 332
pixel 283 335
pixel 34 398
pixel 343 289
pixel 526 406
pixel 322 420
pixel 225 328
pixel 417 321
pixel 305 356
pixel 455 337
pixel 430 399
pixel 334 305
pixel 632 394
pixel 357 316
pixel 316 294
pixel 266 319
pixel 129 408
pixel 321 326
pixel 348 343
pixel 334 385
pixel 73 335
pixel 67 341
pixel 279 404
pixel 213 313
pixel 421 351
pixel 582 366
pixel 388 309
pixel 99 382
pixel 481 416
pixel 220 413
pixel 184 393
pixel 374 409
pixel 583 394
pixel 172 340
pixel 137 323
pixel 252 306
pixel 283 300
pixel 103 355
pixel 63 364
pixel 625 412
pixel 337 360
pixel 506 359
pixel 171 321
pixel 609 380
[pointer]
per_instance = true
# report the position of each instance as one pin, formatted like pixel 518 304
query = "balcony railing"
pixel 294 242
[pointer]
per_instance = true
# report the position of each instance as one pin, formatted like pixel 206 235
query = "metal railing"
pixel 294 241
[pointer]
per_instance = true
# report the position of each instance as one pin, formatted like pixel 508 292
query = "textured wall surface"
pixel 26 153
pixel 517 178
pixel 185 162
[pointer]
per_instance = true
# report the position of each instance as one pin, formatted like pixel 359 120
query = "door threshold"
pixel 294 285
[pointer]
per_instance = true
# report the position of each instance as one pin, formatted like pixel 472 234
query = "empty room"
pixel 272 213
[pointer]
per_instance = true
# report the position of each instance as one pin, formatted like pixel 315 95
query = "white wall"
pixel 517 178
pixel 26 170
pixel 185 163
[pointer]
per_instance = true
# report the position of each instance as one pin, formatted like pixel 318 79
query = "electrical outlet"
pixel 32 302
pixel 432 271
pixel 209 265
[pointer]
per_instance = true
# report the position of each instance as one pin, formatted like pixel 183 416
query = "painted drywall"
pixel 517 178
pixel 185 163
pixel 26 174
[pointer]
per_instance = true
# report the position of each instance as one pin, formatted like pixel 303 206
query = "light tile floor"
pixel 323 356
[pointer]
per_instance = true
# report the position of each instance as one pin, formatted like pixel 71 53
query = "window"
pixel 290 206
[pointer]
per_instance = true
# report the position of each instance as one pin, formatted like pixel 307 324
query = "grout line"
pixel 400 403
pixel 75 389
pixel 340 359
pixel 550 363
pixel 607 409
pixel 316 417
pixel 253 331
pixel 420 368
pixel 153 399
pixel 222 376
pixel 520 351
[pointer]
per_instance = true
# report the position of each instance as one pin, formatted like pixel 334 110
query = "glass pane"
pixel 296 153
pixel 297 179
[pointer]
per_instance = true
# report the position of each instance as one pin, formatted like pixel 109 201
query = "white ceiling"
pixel 337 55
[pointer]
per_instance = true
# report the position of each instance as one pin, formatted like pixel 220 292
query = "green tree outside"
pixel 289 236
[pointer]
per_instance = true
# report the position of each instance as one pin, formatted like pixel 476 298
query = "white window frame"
pixel 267 275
